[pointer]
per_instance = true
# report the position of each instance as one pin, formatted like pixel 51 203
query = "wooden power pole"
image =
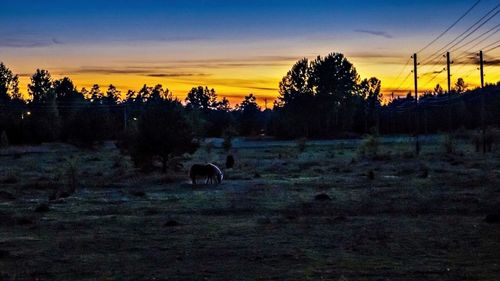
pixel 417 121
pixel 448 68
pixel 483 126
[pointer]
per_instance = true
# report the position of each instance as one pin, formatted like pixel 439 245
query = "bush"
pixel 162 131
pixel 227 143
pixel 209 147
pixel 369 147
pixel 230 161
pixel 302 144
pixel 88 126
pixel 44 128
pixel 4 141
pixel 448 144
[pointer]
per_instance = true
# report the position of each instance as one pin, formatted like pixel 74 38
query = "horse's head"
pixel 220 176
pixel 218 173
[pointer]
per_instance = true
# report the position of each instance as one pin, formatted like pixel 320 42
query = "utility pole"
pixel 417 121
pixel 392 115
pixel 448 67
pixel 483 127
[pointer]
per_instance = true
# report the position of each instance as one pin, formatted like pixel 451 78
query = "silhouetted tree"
pixel 112 95
pixel 438 90
pixel 249 113
pixel 66 91
pixel 370 92
pixel 295 83
pixel 460 86
pixel 9 84
pixel 40 88
pixel 45 125
pixel 201 98
pixel 11 106
pixel 96 96
pixel 162 131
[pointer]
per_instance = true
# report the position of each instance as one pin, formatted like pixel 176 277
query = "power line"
pixel 433 41
pixel 493 48
pixel 402 70
pixel 450 27
pixel 497 27
pixel 438 52
pixel 492 44
pixel 464 53
pixel 470 33
pixel 467 33
pixel 402 83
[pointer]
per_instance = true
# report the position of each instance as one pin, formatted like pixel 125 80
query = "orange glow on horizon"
pixel 235 79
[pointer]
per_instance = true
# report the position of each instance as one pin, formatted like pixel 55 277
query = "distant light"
pixel 28 113
pixel 135 118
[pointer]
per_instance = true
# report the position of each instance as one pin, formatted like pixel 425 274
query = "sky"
pixel 238 47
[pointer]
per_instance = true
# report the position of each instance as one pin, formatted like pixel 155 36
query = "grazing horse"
pixel 212 173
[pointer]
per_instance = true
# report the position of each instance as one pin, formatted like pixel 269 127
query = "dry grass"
pixel 319 215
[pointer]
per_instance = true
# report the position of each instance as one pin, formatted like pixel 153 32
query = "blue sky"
pixel 77 21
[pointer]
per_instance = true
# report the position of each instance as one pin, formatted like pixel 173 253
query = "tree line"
pixel 320 98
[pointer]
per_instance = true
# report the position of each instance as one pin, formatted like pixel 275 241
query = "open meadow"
pixel 324 213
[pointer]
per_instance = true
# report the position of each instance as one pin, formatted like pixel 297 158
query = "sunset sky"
pixel 237 47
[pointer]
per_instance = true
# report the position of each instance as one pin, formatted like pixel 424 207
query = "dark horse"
pixel 211 172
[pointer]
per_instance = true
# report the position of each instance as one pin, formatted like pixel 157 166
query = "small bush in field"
pixel 477 141
pixel 4 140
pixel 301 144
pixel 489 140
pixel 448 144
pixel 209 147
pixel 369 147
pixel 69 178
pixel 227 143
pixel 229 161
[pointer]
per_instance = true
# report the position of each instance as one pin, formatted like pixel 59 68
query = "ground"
pixel 326 213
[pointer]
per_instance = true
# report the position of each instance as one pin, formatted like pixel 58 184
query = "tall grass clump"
pixel 369 147
pixel 449 144
pixel 302 144
pixel 4 140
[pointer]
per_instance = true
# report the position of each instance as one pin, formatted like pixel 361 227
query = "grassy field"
pixel 281 214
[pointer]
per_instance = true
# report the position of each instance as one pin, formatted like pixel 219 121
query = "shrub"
pixel 227 143
pixel 448 144
pixel 209 147
pixel 301 144
pixel 369 147
pixel 88 126
pixel 162 131
pixel 230 161
pixel 4 141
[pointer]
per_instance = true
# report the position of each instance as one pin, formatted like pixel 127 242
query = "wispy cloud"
pixel 10 42
pixel 131 70
pixel 242 62
pixel 433 72
pixel 167 75
pixel 374 33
